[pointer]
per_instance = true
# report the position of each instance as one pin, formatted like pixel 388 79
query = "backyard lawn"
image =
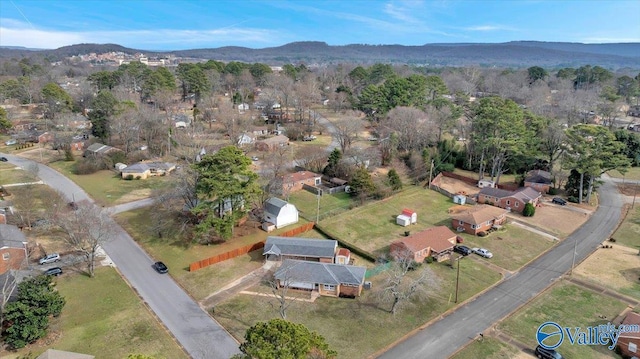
pixel 569 306
pixel 505 178
pixel 632 173
pixel 10 174
pixel 357 328
pixel 512 246
pixel 330 204
pixel 373 227
pixel 104 317
pixel 178 254
pixel 107 187
pixel 629 231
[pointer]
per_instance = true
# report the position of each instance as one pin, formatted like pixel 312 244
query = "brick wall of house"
pixel 11 258
pixel 349 290
pixel 623 344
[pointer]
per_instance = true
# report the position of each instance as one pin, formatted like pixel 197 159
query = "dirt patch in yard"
pixel 557 220
pixel 135 195
pixel 454 186
pixel 617 268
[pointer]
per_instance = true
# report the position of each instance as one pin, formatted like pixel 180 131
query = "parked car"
pixel 482 252
pixel 11 142
pixel 53 271
pixel 464 250
pixel 254 158
pixel 3 159
pixel 309 138
pixel 558 200
pixel 50 258
pixel 543 353
pixel 160 267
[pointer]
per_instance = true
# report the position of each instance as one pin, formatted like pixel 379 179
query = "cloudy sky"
pixel 185 24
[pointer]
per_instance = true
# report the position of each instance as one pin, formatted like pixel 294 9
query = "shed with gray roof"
pixel 316 250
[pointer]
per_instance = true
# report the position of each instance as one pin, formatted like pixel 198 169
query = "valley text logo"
pixel 551 335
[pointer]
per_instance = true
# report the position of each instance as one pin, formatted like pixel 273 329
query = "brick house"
pixel 272 143
pixel 436 242
pixel 478 219
pixel 332 280
pixel 509 200
pixel 13 248
pixel 629 343
pixel 295 181
pixel 539 180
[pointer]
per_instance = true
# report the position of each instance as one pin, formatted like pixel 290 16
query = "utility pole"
pixel 430 174
pixel 635 192
pixel 457 279
pixel 573 262
pixel 318 206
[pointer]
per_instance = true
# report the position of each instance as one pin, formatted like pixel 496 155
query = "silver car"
pixel 50 258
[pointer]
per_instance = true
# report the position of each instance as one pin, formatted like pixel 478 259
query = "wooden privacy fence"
pixel 244 250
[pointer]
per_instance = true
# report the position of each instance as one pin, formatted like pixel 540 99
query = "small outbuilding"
pixel 407 217
pixel 486 183
pixel 279 213
pixel 460 199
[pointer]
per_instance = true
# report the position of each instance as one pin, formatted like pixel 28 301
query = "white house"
pixel 279 213
pixel 486 183
pixel 245 139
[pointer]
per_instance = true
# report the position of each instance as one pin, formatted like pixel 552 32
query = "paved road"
pixel 199 334
pixel 445 336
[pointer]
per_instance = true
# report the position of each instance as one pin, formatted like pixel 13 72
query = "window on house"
pixel 473 226
pixel 517 203
pixel 508 203
pixel 5 256
pixel 329 287
pixel 633 347
pixel 317 181
pixel 460 223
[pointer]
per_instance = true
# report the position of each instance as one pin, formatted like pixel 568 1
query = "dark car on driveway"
pixel 160 267
pixel 3 159
pixel 56 271
pixel 543 353
pixel 464 250
pixel 558 200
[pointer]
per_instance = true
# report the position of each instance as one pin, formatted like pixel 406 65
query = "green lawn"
pixel 569 306
pixel 107 187
pixel 178 255
pixel 512 247
pixel 629 231
pixel 488 348
pixel 9 174
pixel 632 173
pixel 104 317
pixel 357 328
pixel 330 204
pixel 373 226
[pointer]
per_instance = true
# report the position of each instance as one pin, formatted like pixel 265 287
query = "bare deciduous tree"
pixel 311 158
pixel 347 130
pixel 8 284
pixel 405 279
pixel 85 229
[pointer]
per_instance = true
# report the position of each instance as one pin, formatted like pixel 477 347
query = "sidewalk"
pixel 237 286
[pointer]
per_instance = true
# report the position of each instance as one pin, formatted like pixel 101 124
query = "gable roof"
pixel 293 246
pixel 100 148
pixel 526 194
pixel 61 354
pixel 276 140
pixel 631 319
pixel 136 168
pixel 436 238
pixel 299 176
pixel 320 273
pixel 538 176
pixel 11 237
pixel 495 192
pixel 479 214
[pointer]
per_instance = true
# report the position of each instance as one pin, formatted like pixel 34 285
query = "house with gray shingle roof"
pixel 13 248
pixel 144 170
pixel 510 200
pixel 307 249
pixel 326 279
pixel 539 180
pixel 99 149
pixel 279 213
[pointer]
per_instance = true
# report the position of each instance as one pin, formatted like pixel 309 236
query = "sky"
pixel 190 24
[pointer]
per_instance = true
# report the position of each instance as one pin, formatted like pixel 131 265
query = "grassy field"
pixel 512 247
pixel 104 317
pixel 330 204
pixel 488 348
pixel 178 255
pixel 107 187
pixel 629 231
pixel 357 328
pixel 632 174
pixel 9 174
pixel 569 306
pixel 373 226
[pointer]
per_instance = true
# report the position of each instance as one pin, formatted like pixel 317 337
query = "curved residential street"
pixel 199 334
pixel 445 336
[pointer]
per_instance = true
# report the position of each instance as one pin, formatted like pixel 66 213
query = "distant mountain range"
pixel 509 54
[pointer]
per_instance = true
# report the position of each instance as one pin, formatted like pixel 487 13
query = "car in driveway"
pixel 56 271
pixel 543 353
pixel 560 201
pixel 49 258
pixel 464 250
pixel 3 159
pixel 160 267
pixel 482 252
